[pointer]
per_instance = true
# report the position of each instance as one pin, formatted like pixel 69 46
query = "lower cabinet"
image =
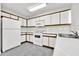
pixel 23 38
pixel 52 42
pixel 49 41
pixel 45 41
pixel 28 38
pixel 31 38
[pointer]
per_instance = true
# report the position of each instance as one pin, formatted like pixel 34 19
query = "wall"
pixel 0 28
pixel 75 17
pixel 59 29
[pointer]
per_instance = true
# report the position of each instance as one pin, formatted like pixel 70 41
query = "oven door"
pixel 38 40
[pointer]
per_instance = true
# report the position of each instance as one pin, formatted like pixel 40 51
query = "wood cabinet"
pixel 65 17
pixel 28 38
pixel 23 38
pixel 31 38
pixel 49 41
pixel 52 42
pixel 47 19
pixel 45 41
pixel 55 18
pixel 14 17
pixel 5 14
pixel 22 22
pixel 31 22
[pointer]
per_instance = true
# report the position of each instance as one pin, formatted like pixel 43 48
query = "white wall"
pixel 50 29
pixel 75 17
pixel 59 29
pixel 0 28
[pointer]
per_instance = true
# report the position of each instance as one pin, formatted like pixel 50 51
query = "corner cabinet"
pixel 22 21
pixel 65 17
pixel 31 22
pixel 23 38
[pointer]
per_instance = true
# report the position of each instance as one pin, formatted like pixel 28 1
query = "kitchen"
pixel 53 26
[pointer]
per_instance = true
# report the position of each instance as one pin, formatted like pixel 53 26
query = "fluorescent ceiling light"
pixel 37 7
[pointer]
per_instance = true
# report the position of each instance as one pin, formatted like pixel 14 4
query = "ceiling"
pixel 22 8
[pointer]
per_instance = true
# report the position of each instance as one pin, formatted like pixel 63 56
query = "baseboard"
pixel 26 41
pixel 48 47
pixel 11 48
pixel 29 42
pixel 23 42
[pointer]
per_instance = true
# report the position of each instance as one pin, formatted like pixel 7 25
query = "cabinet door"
pixel 52 42
pixel 28 38
pixel 45 41
pixel 55 18
pixel 22 22
pixel 15 17
pixel 23 38
pixel 47 19
pixel 5 14
pixel 31 22
pixel 66 17
pixel 31 38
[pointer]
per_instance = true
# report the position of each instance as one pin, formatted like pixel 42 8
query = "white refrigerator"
pixel 11 35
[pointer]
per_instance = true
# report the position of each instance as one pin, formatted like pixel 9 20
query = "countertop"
pixel 54 35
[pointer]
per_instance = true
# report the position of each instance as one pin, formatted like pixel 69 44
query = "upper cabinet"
pixel 5 14
pixel 55 18
pixel 46 19
pixel 14 17
pixel 22 21
pixel 62 17
pixel 31 22
pixel 65 17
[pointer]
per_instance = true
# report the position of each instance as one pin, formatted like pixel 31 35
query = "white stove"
pixel 38 34
pixel 38 39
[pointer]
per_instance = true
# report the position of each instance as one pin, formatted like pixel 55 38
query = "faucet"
pixel 76 33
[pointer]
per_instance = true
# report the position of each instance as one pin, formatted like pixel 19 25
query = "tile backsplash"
pixel 51 29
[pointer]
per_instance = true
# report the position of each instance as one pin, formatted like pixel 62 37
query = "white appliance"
pixel 11 35
pixel 38 37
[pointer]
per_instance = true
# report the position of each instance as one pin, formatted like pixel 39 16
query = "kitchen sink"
pixel 68 35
